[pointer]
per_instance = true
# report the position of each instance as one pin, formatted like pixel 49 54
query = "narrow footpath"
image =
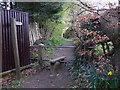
pixel 61 79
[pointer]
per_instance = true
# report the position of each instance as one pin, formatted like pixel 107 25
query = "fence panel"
pixel 23 39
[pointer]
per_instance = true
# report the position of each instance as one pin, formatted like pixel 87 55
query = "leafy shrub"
pixel 98 82
pixel 95 74
pixel 98 50
pixel 102 75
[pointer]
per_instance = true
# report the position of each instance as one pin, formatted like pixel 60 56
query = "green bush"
pixel 101 83
pixel 95 74
pixel 98 50
pixel 102 80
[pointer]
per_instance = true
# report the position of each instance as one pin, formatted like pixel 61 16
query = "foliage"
pixel 9 81
pixel 92 30
pixel 99 50
pixel 70 33
pixel 56 40
pixel 87 26
pixel 91 70
pixel 86 46
pixel 99 77
pixel 15 83
pixel 33 55
pixel 53 17
pixel 98 82
pixel 40 11
pixel 59 25
pixel 95 74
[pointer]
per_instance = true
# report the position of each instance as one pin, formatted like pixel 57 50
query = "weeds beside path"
pixel 45 79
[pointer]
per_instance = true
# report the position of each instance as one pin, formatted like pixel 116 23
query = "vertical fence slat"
pixel 3 40
pixel 11 48
pixel 0 43
pixel 7 38
pixel 27 37
pixel 10 45
pixel 24 34
pixel 3 46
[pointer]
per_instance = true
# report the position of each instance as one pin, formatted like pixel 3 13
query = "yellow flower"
pixel 110 73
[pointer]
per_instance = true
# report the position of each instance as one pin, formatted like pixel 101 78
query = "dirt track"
pixel 45 78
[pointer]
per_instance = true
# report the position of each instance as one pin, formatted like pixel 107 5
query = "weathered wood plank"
pixel 15 47
pixel 56 62
pixel 57 59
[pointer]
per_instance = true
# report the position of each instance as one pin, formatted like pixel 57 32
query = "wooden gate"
pixel 6 47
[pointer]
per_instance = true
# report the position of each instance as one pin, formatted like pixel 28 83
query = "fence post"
pixel 0 47
pixel 40 56
pixel 15 47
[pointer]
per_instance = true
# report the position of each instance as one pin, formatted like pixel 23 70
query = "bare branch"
pixel 90 9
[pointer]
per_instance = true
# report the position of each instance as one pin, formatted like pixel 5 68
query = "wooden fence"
pixel 6 47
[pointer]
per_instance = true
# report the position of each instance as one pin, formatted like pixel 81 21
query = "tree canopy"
pixel 40 11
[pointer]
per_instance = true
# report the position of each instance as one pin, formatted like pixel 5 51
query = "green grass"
pixel 55 41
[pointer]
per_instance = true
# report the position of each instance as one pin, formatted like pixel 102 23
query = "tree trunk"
pixel 116 59
pixel 116 56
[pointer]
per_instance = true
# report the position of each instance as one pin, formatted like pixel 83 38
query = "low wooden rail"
pixel 36 46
